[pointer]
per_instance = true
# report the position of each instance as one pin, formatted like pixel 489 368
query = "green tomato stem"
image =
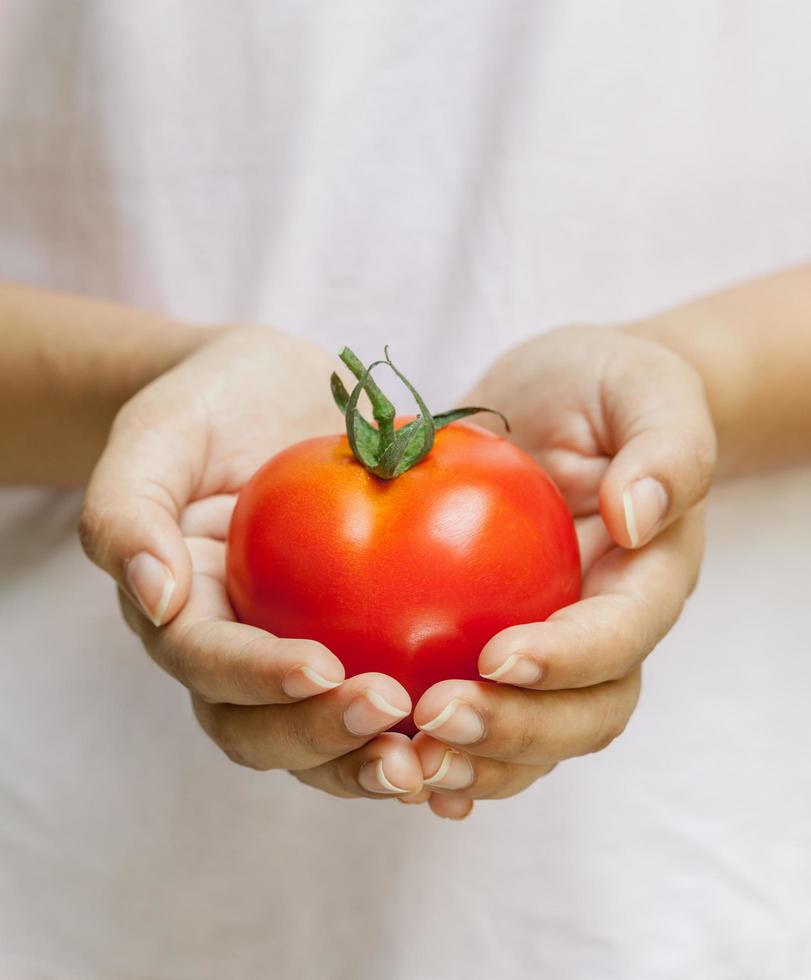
pixel 382 409
pixel 384 451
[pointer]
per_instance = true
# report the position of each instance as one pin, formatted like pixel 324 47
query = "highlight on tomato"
pixel 402 545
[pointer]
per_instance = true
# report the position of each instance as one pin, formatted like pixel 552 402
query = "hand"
pixel 155 518
pixel 622 426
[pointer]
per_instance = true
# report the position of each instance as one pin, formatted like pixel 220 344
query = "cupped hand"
pixel 622 426
pixel 155 518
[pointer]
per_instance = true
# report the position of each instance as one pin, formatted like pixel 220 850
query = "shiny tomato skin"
pixel 409 577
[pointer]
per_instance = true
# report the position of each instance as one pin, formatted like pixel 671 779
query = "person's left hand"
pixel 622 426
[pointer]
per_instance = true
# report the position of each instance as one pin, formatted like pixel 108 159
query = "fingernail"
pixel 151 583
pixel 455 772
pixel 516 669
pixel 370 712
pixel 645 504
pixel 373 779
pixel 304 682
pixel 457 722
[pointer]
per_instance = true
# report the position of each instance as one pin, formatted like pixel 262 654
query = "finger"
pixel 227 662
pixel 129 520
pixel 423 796
pixel 449 770
pixel 385 767
pixel 209 517
pixel 450 807
pixel 577 475
pixel 308 733
pixel 593 540
pixel 529 727
pixel 664 442
pixel 631 600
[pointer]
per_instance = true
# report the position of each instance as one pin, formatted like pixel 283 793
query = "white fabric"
pixel 448 177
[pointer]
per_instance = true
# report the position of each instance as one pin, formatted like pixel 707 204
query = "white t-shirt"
pixel 449 177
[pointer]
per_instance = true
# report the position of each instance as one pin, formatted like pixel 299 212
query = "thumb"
pixel 664 442
pixel 129 525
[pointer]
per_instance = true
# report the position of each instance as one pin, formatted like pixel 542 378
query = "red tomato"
pixel 409 576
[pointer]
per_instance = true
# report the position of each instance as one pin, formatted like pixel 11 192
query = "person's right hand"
pixel 155 517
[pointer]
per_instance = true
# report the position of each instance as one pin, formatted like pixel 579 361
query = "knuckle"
pixel 524 739
pixel 548 770
pixel 692 582
pixel 179 653
pixel 607 734
pixel 638 626
pixel 615 635
pixel 301 738
pixel 611 723
pixel 237 748
pixel 122 419
pixel 317 779
pixel 304 776
pixel 582 635
pixel 513 780
pixel 251 673
pixel 231 669
pixel 499 786
pixel 703 462
pixel 238 757
pixel 90 529
pixel 688 459
pixel 346 778
pixel 219 723
pixel 194 655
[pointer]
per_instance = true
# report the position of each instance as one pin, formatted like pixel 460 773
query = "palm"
pixel 235 403
pixel 549 389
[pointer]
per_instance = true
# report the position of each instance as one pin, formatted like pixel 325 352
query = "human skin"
pixel 606 411
pixel 67 365
pixel 220 403
pixel 600 408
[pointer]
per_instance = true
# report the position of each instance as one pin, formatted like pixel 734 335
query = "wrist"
pixel 710 346
pixel 67 364
pixel 152 350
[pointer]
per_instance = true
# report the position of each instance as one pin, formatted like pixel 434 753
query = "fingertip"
pixel 635 511
pixel 450 807
pixel 508 658
pixel 645 504
pixel 443 768
pixel 395 767
pixel 430 752
pixel 519 670
pixel 655 478
pixel 154 586
pixel 320 659
pixel 434 700
pixel 128 526
pixel 495 651
pixel 304 682
pixel 381 686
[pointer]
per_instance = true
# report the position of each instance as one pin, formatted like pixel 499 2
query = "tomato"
pixel 409 576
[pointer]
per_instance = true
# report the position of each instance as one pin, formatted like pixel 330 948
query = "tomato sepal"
pixel 383 451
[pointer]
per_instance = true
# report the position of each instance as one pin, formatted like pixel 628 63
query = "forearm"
pixel 752 347
pixel 67 364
